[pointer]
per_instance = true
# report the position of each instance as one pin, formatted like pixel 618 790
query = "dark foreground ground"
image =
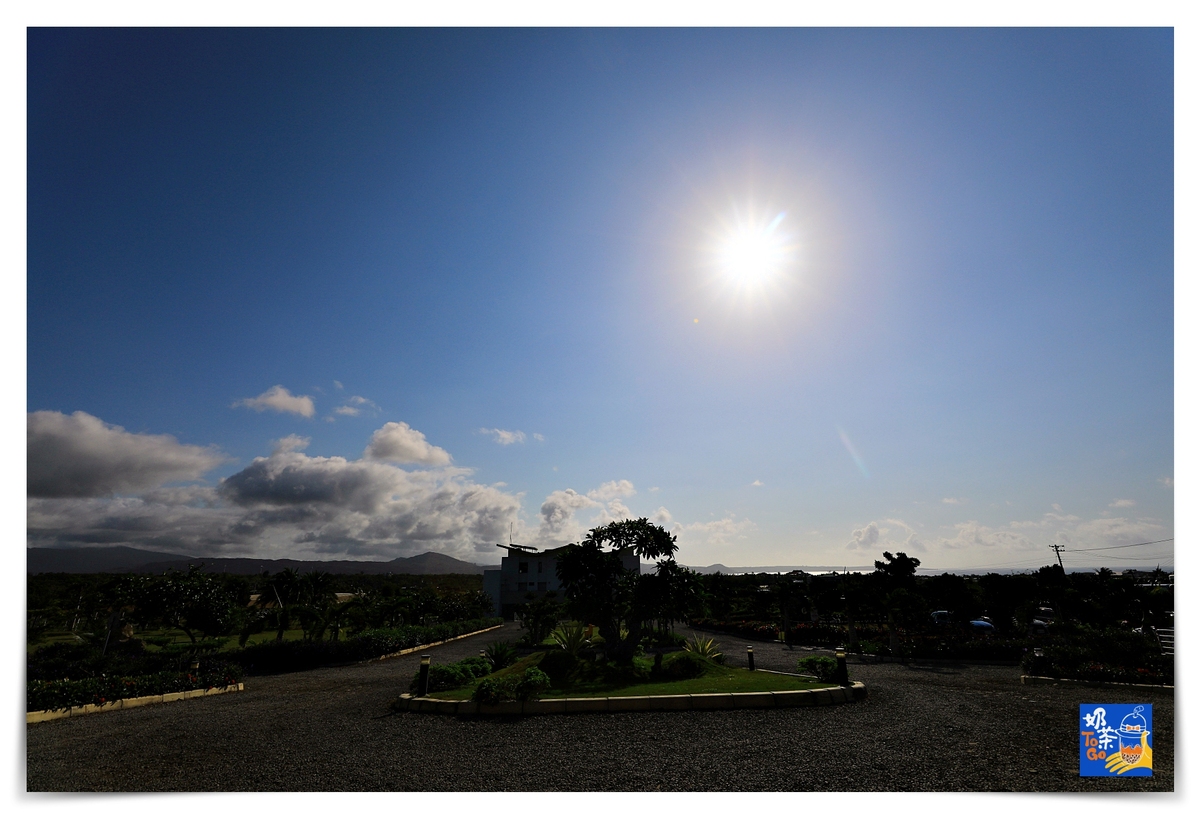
pixel 925 728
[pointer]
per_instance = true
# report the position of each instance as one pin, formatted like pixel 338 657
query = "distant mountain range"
pixel 122 559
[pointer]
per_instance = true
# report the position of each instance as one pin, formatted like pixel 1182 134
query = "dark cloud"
pixel 292 478
pixel 82 456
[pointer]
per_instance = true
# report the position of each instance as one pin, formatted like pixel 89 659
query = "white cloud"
pixel 954 501
pixel 757 483
pixel 354 406
pixel 653 489
pixel 890 534
pixel 715 532
pixel 1122 504
pixel 662 517
pixel 1167 482
pixel 80 455
pixel 291 443
pixel 1023 543
pixel 864 538
pixel 612 490
pixel 398 442
pixel 558 514
pixel 280 400
pixel 338 384
pixel 503 436
pixel 540 438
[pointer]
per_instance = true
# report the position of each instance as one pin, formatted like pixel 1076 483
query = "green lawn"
pixel 716 679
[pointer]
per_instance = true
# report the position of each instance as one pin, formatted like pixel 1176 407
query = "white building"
pixel 524 570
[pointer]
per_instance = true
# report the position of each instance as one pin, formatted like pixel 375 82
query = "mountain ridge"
pixel 121 559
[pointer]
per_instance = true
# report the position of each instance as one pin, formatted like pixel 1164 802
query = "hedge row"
pixel 268 658
pixel 93 686
pixel 65 693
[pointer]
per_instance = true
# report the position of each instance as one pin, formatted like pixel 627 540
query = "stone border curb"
pixel 1046 680
pixel 407 651
pixel 35 716
pixel 816 697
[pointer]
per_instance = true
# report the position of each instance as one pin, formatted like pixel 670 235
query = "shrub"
pixel 477 666
pixel 558 665
pixel 528 686
pixel 443 677
pixel 455 674
pixel 571 637
pixel 492 690
pixel 703 646
pixel 684 665
pixel 823 667
pixel 533 683
pixel 500 655
pixel 64 693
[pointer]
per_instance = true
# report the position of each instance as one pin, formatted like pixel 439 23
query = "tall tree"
pixel 600 591
pixel 899 569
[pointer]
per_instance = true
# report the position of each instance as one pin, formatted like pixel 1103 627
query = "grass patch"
pixel 588 679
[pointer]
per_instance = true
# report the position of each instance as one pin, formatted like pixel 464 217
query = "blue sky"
pixel 369 293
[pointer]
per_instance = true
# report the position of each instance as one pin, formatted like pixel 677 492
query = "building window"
pixel 541 586
pixel 522 568
pixel 522 586
pixel 539 566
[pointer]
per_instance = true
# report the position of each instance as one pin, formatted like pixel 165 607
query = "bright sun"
pixel 754 254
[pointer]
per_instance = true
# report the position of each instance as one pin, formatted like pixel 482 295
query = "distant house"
pixel 524 570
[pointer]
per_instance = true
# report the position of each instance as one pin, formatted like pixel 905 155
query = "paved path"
pixel 923 728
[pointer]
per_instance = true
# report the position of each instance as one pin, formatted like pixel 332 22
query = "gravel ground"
pixel 923 728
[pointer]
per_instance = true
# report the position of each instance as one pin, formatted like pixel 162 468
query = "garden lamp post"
pixel 423 677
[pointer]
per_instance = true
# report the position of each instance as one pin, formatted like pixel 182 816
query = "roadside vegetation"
pixel 96 638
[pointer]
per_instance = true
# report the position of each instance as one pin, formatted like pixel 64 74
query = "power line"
pixel 1147 558
pixel 1112 547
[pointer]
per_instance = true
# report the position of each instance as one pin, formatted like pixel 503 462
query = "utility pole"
pixel 1058 549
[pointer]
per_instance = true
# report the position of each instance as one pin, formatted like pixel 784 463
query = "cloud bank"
pixel 282 505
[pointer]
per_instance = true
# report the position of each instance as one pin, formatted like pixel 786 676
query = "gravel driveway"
pixel 925 728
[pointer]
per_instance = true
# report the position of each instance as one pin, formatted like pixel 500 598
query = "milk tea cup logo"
pixel 1114 740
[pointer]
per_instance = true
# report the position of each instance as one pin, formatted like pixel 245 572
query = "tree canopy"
pixel 601 591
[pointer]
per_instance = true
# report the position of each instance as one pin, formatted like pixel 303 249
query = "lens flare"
pixel 858 461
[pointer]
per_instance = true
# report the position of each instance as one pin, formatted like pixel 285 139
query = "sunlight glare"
pixel 752 255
